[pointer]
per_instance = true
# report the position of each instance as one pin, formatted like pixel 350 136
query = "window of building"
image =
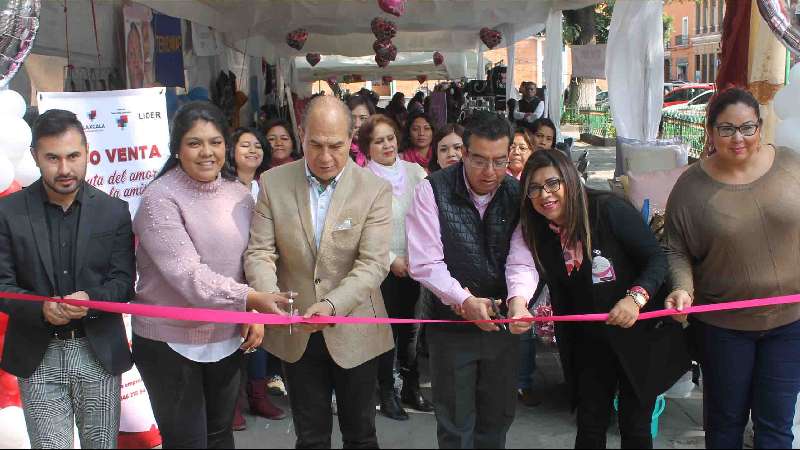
pixel 697 18
pixel 704 11
pixel 697 69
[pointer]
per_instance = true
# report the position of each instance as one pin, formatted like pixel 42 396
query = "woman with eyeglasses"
pixel 521 150
pixel 733 233
pixel 598 256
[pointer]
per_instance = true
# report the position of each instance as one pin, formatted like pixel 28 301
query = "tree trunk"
pixel 583 91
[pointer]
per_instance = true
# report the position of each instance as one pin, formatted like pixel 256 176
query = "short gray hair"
pixel 327 101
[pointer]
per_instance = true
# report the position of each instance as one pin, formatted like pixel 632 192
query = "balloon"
pixel 15 137
pixel 297 38
pixel 786 101
pixel 26 172
pixel 794 74
pixel 18 26
pixel 779 17
pixel 393 7
pixel 15 187
pixel 12 104
pixel 6 173
pixel 13 432
pixel 787 134
pixel 313 58
pixel 490 37
pixel 383 29
pixel 438 59
pixel 422 78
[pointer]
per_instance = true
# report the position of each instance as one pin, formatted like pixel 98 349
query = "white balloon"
pixel 794 74
pixel 13 432
pixel 786 101
pixel 12 103
pixel 6 173
pixel 787 134
pixel 26 171
pixel 15 137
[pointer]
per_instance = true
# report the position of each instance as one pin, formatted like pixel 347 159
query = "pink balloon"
pixel 393 7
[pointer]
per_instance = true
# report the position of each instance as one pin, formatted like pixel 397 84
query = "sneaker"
pixel 276 386
pixel 528 398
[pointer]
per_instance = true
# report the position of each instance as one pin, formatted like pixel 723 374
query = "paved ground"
pixel 550 425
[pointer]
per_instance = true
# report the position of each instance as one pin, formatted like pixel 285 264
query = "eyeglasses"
pixel 747 130
pixel 520 147
pixel 478 162
pixel 550 186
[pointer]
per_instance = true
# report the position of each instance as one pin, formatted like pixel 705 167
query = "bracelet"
pixel 328 301
pixel 642 291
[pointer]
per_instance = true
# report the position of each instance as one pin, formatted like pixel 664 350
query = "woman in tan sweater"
pixel 733 233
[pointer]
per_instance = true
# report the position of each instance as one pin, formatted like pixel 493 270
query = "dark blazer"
pixel 105 269
pixel 653 353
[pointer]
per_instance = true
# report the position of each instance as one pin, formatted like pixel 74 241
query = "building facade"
pixel 693 48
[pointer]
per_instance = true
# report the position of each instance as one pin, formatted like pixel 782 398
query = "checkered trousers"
pixel 71 385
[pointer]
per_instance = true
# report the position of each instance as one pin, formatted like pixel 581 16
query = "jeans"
pixel 262 365
pixel 400 296
pixel 527 360
pixel 751 374
pixel 193 402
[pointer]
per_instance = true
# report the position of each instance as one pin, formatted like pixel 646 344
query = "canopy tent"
pixel 407 66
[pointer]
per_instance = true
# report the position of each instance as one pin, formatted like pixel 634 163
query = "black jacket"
pixel 105 269
pixel 653 353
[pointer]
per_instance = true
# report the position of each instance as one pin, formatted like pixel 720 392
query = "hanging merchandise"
pixel 438 59
pixel 223 94
pixel 492 38
pixel 393 7
pixel 204 41
pixel 313 58
pixel 139 46
pixel 168 51
pixel 297 38
pixel 383 29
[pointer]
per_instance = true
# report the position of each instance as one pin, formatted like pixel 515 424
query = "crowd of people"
pixel 380 213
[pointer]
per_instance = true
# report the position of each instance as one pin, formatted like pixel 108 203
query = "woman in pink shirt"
pixel 361 108
pixel 284 143
pixel 521 150
pixel 418 138
pixel 448 144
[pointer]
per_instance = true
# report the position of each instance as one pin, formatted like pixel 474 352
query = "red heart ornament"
pixel 313 59
pixel 422 78
pixel 438 59
pixel 386 79
pixel 492 38
pixel 393 7
pixel 297 38
pixel 381 62
pixel 383 29
pixel 385 49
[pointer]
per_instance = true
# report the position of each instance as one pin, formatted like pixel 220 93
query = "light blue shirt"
pixel 320 197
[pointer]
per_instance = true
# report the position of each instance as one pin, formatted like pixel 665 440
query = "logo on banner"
pixel 92 115
pixel 122 122
pixel 93 126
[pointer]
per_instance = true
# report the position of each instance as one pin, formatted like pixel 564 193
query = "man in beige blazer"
pixel 322 228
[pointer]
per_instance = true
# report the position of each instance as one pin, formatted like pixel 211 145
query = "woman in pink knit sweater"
pixel 193 227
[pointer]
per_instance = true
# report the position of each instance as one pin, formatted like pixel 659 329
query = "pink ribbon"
pixel 219 316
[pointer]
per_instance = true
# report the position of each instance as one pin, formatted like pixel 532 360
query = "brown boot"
pixel 260 404
pixel 239 422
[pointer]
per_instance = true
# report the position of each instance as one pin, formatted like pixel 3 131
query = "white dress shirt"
pixel 320 197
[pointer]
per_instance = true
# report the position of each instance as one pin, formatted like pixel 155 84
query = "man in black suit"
pixel 61 237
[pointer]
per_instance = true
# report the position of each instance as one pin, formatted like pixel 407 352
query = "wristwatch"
pixel 639 298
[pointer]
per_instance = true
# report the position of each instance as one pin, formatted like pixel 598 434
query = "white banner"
pixel 589 61
pixel 127 133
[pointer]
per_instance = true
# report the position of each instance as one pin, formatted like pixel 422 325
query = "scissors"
pixel 498 314
pixel 291 296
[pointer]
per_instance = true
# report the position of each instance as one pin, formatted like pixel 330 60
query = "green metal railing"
pixel 688 126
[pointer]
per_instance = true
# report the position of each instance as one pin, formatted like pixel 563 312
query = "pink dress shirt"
pixel 426 252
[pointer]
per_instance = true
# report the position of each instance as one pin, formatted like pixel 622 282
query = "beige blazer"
pixel 348 268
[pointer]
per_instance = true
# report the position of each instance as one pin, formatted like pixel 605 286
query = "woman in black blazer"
pixel 598 256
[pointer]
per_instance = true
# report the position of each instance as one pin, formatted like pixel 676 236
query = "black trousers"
pixel 400 296
pixel 600 376
pixel 474 376
pixel 312 381
pixel 193 403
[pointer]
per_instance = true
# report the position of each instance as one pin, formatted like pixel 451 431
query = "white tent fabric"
pixel 407 66
pixel 343 27
pixel 553 66
pixel 635 66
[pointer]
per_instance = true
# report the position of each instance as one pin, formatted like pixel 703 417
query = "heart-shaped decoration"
pixel 297 38
pixel 313 59
pixel 492 38
pixel 386 79
pixel 422 78
pixel 381 62
pixel 332 80
pixel 383 29
pixel 357 78
pixel 393 7
pixel 385 49
pixel 438 59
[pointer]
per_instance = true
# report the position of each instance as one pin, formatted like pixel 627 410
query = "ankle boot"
pixel 239 422
pixel 411 396
pixel 260 404
pixel 390 405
